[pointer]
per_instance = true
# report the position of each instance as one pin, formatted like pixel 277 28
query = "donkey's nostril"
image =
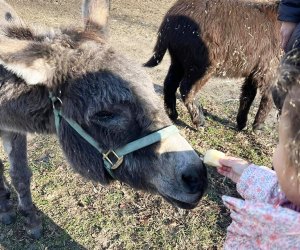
pixel 189 178
pixel 192 181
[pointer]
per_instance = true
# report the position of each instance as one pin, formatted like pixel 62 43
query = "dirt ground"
pixel 81 215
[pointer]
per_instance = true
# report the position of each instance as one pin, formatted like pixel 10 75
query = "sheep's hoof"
pixel 241 125
pixel 172 115
pixel 240 128
pixel 198 119
pixel 7 218
pixel 241 122
pixel 199 123
pixel 35 232
pixel 257 127
pixel 202 120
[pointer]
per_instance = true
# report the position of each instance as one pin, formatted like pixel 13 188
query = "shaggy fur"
pixel 227 38
pixel 108 95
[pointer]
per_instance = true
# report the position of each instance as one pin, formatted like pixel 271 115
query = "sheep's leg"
pixel 264 109
pixel 189 87
pixel 16 148
pixel 171 84
pixel 249 90
pixel 7 215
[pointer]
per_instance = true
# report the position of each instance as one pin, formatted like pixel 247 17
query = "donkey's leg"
pixel 189 87
pixel 264 109
pixel 249 90
pixel 7 215
pixel 171 84
pixel 16 148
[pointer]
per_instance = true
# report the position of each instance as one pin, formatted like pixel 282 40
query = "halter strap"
pixel 112 158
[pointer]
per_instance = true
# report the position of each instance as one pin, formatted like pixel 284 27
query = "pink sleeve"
pixel 259 183
pixel 258 225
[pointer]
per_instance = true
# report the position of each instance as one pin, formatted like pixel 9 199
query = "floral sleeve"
pixel 257 225
pixel 259 183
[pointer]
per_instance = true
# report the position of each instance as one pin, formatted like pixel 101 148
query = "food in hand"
pixel 212 157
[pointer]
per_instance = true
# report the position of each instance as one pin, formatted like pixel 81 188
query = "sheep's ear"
pixel 28 60
pixel 95 15
pixel 8 16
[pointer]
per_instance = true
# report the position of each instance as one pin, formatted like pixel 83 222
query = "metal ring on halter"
pixel 114 160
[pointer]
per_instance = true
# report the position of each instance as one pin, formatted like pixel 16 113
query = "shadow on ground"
pixel 14 236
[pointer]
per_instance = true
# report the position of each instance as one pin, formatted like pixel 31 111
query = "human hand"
pixel 232 167
pixel 286 31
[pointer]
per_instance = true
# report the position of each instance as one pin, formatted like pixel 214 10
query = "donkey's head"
pixel 112 101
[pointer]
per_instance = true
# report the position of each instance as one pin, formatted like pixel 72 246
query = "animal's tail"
pixel 159 51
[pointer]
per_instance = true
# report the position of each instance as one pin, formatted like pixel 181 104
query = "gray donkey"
pixel 108 119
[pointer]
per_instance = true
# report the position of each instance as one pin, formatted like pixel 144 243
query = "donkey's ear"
pixel 29 60
pixel 8 16
pixel 95 15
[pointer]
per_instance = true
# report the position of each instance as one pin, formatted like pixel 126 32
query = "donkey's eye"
pixel 103 116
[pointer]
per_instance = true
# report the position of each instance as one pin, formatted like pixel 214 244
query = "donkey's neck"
pixel 24 108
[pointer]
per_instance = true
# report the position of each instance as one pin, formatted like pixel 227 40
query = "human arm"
pixel 289 14
pixel 259 183
pixel 258 225
pixel 255 183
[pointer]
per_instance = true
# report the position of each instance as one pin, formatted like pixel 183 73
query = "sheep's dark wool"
pixel 227 38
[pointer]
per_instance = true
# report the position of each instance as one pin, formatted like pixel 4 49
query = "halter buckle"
pixel 113 159
pixel 56 103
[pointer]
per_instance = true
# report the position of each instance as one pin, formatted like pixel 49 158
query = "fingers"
pixel 226 165
pixel 225 168
pixel 232 167
pixel 229 174
pixel 225 174
pixel 224 171
pixel 230 161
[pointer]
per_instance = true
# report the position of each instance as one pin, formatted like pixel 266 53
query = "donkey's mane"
pixel 70 37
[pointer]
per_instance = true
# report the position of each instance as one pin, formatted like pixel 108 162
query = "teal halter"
pixel 112 158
